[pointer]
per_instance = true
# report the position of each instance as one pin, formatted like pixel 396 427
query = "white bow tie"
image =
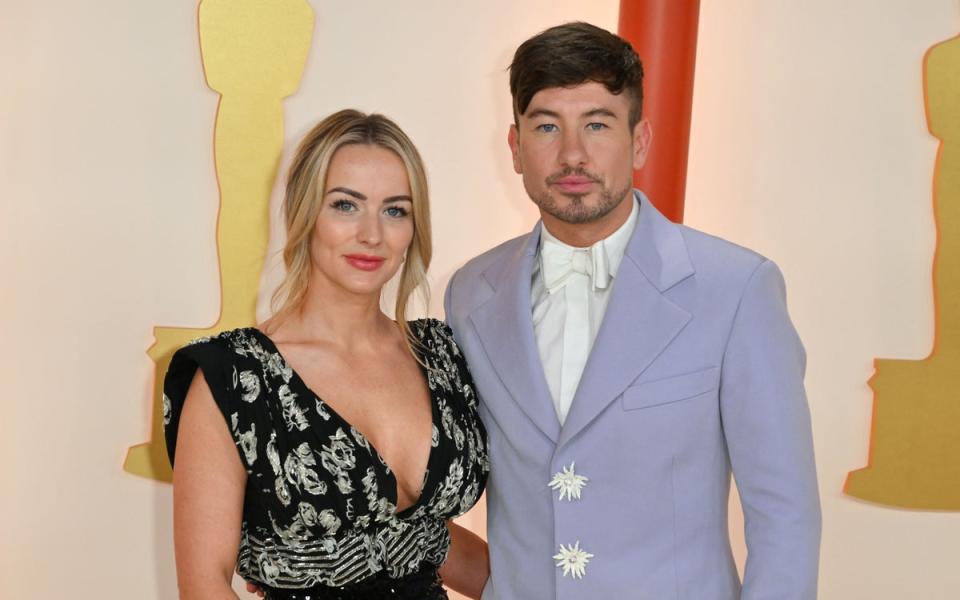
pixel 559 261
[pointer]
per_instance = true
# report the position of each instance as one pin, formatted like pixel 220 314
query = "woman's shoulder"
pixel 433 332
pixel 437 345
pixel 430 326
pixel 238 352
pixel 240 342
pixel 233 364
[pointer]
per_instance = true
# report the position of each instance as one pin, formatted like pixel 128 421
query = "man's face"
pixel 576 152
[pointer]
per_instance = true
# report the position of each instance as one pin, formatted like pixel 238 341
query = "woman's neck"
pixel 335 316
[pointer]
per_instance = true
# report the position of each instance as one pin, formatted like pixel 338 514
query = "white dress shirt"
pixel 569 295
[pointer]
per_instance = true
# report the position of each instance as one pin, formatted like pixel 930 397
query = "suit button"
pixel 573 560
pixel 568 483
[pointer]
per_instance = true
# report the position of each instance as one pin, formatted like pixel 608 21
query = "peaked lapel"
pixel 639 321
pixel 504 324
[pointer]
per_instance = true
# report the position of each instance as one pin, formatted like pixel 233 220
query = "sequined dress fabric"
pixel 319 513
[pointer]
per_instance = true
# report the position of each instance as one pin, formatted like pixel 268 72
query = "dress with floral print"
pixel 320 503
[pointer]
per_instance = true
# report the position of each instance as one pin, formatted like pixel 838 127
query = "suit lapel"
pixel 639 322
pixel 505 328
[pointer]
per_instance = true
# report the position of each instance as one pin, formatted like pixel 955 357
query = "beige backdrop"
pixel 808 144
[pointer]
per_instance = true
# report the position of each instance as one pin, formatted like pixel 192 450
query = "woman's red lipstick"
pixel 364 262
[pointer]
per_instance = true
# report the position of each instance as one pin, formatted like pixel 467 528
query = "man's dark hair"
pixel 575 53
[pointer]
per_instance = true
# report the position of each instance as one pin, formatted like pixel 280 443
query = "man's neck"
pixel 584 235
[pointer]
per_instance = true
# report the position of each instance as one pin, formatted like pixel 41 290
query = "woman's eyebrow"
pixel 347 191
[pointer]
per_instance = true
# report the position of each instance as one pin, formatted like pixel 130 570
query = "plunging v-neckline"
pixel 391 473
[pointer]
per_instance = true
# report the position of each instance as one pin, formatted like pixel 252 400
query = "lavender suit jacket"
pixel 696 372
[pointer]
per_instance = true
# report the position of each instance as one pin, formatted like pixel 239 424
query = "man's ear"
pixel 514 143
pixel 642 138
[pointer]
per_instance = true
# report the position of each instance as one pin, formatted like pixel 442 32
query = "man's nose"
pixel 572 151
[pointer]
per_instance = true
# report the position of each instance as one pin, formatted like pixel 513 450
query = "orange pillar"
pixel 664 34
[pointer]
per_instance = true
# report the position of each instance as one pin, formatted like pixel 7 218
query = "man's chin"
pixel 574 209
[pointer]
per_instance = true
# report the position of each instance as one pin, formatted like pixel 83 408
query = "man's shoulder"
pixel 497 255
pixel 472 283
pixel 715 256
pixel 718 264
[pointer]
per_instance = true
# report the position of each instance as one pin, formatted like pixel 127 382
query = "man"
pixel 626 365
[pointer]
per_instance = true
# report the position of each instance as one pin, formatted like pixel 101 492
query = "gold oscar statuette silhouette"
pixel 915 443
pixel 254 54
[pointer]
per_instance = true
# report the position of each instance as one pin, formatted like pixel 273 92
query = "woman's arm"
pixel 208 487
pixel 468 562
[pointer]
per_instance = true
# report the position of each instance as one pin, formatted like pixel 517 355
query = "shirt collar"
pixel 613 246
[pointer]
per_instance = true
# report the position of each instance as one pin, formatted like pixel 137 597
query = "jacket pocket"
pixel 671 389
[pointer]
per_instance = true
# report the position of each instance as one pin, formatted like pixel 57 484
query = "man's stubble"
pixel 577 211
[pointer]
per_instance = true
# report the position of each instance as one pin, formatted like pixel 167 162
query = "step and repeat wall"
pixel 140 144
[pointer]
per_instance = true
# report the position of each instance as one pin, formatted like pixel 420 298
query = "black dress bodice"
pixel 320 502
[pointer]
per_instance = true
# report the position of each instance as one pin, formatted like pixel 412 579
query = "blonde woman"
pixel 322 454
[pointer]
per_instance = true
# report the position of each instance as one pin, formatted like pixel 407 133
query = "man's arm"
pixel 766 424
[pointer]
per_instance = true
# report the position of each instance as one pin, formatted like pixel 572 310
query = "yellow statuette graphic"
pixel 254 53
pixel 915 445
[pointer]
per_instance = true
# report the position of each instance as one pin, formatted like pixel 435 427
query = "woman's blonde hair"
pixel 303 200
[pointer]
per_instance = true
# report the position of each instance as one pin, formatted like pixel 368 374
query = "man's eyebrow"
pixel 347 191
pixel 600 112
pixel 595 112
pixel 542 112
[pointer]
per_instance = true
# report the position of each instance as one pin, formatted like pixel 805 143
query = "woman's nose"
pixel 370 231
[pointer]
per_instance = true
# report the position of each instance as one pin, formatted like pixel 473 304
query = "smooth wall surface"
pixel 808 144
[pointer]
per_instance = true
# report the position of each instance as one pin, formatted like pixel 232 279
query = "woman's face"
pixel 365 222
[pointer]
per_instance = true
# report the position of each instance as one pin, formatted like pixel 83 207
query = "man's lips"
pixel 574 184
pixel 364 262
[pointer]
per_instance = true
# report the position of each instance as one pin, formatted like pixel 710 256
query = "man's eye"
pixel 396 211
pixel 596 126
pixel 343 206
pixel 547 127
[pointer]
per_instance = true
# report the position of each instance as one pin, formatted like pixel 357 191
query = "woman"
pixel 323 453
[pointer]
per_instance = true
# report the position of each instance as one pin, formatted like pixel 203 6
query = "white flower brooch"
pixel 568 483
pixel 573 559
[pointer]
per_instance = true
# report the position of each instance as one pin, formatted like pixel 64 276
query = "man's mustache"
pixel 570 171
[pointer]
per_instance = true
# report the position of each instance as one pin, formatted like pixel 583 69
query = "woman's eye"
pixel 396 211
pixel 343 206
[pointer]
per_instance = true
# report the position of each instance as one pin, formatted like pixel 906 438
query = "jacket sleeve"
pixel 766 423
pixel 448 316
pixel 446 299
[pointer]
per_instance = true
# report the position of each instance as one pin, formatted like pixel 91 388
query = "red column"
pixel 664 34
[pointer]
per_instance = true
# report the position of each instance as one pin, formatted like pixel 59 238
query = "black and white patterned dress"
pixel 320 503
